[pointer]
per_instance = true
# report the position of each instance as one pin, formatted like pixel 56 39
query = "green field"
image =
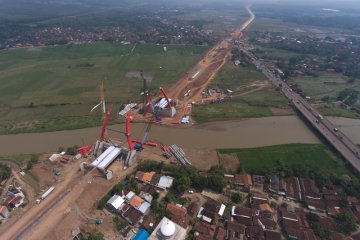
pixel 277 54
pixel 245 105
pixel 60 83
pixel 327 85
pixel 338 112
pixel 265 160
pixel 324 85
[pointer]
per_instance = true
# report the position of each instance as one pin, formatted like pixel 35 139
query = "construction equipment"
pixel 166 97
pixel 128 133
pixel 145 94
pixel 139 145
pixel 96 220
pixel 105 123
pixel 102 98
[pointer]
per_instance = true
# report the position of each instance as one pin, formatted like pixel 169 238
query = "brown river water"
pixel 226 134
pixel 253 132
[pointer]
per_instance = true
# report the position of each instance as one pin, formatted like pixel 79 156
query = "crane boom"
pixel 106 121
pixel 145 90
pixel 128 133
pixel 166 97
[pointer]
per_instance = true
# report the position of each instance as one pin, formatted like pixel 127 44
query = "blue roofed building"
pixel 142 235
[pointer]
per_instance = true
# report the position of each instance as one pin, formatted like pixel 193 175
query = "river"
pixel 226 134
pixel 253 132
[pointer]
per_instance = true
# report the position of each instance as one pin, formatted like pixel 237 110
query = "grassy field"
pixel 264 159
pixel 338 112
pixel 324 85
pixel 277 53
pixel 234 77
pixel 245 105
pixel 61 82
pixel 327 85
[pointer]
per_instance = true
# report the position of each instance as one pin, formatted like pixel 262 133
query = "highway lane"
pixel 336 138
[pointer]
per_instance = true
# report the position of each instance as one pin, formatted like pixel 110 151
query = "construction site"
pixel 73 184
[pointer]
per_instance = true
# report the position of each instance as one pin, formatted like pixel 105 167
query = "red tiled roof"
pixel 178 214
pixel 136 201
pixel 265 207
pixel 220 234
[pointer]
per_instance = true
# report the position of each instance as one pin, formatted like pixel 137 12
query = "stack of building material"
pixel 179 155
pixel 127 108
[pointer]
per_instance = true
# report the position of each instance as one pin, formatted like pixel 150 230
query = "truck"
pixel 320 117
pixel 45 194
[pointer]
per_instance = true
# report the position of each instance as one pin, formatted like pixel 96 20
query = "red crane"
pixel 128 133
pixel 106 121
pixel 166 97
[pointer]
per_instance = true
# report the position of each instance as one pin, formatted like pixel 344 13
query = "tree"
pixel 236 197
pixel 5 172
pixel 155 195
pixel 239 168
pixel 182 184
pixel 346 222
pixel 273 205
pixel 60 149
pixel 344 202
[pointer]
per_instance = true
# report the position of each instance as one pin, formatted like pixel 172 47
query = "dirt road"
pixel 189 87
pixel 23 228
pixel 208 67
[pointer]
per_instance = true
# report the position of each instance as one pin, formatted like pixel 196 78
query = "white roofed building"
pixel 165 182
pixel 115 203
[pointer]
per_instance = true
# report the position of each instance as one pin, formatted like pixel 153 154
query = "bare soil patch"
pixel 202 158
pixel 229 161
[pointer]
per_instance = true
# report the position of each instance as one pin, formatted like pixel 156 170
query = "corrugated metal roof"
pixel 116 201
pixel 165 182
pixel 144 207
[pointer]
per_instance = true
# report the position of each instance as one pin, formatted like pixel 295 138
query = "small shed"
pixel 115 203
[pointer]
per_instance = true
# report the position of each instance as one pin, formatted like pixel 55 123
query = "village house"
pixel 258 199
pixel 243 215
pixel 4 212
pixel 211 211
pixel 265 211
pixel 258 181
pixel 220 233
pixel 115 203
pixel 204 231
pixel 178 215
pixel 244 181
pixel 157 180
pixel 271 235
pixel 235 230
